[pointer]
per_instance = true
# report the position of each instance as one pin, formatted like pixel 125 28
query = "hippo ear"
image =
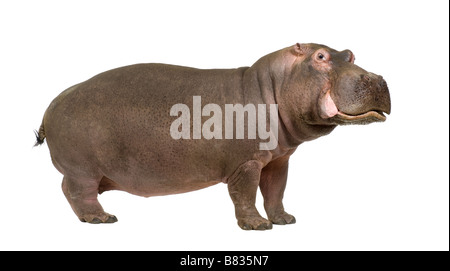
pixel 299 49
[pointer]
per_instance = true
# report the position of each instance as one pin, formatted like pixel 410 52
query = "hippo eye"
pixel 322 57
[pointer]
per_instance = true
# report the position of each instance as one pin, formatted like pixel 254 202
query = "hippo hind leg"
pixel 82 196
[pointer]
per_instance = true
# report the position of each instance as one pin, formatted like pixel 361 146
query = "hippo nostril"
pixel 365 78
pixel 365 81
pixel 382 85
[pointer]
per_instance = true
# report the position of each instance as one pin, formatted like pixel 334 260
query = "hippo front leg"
pixel 272 185
pixel 242 186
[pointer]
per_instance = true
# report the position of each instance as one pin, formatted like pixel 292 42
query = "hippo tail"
pixel 40 135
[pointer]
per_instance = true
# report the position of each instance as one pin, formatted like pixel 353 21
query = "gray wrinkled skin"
pixel 111 132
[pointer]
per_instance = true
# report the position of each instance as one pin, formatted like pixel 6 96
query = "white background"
pixel 378 187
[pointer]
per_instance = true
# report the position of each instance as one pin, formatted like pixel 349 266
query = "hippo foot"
pixel 99 218
pixel 282 219
pixel 254 223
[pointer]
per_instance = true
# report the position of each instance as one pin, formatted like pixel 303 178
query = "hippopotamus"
pixel 129 128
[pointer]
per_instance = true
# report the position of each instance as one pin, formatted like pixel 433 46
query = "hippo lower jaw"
pixel 365 118
pixel 329 110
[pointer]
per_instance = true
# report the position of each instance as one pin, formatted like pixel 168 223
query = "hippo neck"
pixel 259 88
pixel 262 82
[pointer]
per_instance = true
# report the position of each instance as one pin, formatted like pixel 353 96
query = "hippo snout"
pixel 359 97
pixel 378 91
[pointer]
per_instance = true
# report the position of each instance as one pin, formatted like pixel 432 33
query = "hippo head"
pixel 324 88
